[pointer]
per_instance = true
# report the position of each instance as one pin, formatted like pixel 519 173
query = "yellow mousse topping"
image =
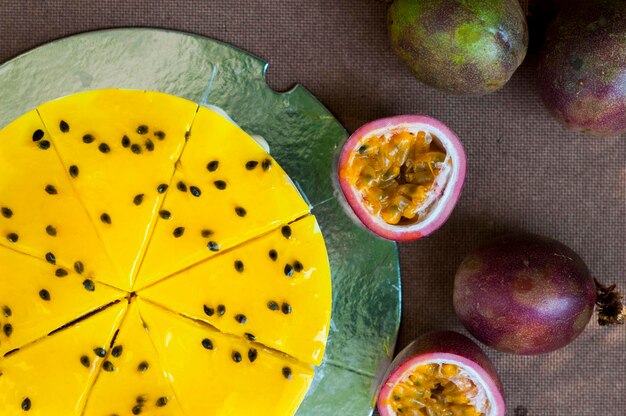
pixel 155 260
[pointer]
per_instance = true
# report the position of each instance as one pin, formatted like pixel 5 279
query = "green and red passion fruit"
pixel 527 294
pixel 441 373
pixel 401 176
pixel 459 46
pixel 582 69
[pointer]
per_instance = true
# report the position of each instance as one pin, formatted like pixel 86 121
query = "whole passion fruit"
pixel 459 46
pixel 441 373
pixel 524 294
pixel 582 69
pixel 401 176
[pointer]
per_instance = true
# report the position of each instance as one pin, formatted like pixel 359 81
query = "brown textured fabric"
pixel 525 171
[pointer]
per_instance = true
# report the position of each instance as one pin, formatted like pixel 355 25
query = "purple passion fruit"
pixel 462 47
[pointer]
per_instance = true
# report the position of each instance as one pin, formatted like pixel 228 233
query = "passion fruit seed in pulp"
pixel 401 176
pixel 395 173
pixel 436 389
pixel 441 373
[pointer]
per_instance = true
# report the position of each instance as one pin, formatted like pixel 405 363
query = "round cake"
pixel 155 260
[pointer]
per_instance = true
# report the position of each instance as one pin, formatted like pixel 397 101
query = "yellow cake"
pixel 156 261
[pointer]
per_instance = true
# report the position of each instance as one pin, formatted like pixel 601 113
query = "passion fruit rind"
pixel 436 196
pixel 446 348
pixel 582 67
pixel 462 47
pixel 524 294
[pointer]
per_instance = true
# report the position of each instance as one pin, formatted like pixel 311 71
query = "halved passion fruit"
pixel 441 374
pixel 402 176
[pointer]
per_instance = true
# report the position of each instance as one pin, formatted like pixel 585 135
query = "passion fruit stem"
pixel 609 304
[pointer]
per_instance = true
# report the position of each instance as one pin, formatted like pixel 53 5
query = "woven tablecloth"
pixel 526 173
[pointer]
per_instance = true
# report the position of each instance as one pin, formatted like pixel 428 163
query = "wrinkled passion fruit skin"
pixel 458 46
pixel 442 345
pixel 582 69
pixel 524 294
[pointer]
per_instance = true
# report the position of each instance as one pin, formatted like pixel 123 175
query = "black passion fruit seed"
pixel 44 294
pixel 84 360
pixel 135 148
pixel 213 246
pixel 162 188
pixel 165 214
pixel 104 148
pixel 272 306
pixel 105 218
pixel 236 356
pixel 50 189
pixel 50 258
pixel 60 273
pixel 286 231
pixel 38 135
pixel 221 310
pixel 249 336
pixel 212 166
pixel 266 164
pixel 79 267
pixel 252 164
pixel 88 138
pixel 149 145
pixel 138 199
pixel 241 318
pixel 181 186
pixel 125 142
pixel 7 329
pixel 206 233
pixel 178 232
pixel 12 237
pixel 288 270
pixel 6 212
pixel 44 145
pixel 64 127
pixel 143 129
pixel 100 352
pixel 287 373
pixel 26 404
pixel 51 231
pixel 136 410
pixel 208 310
pixel 195 191
pixel 159 135
pixel 286 308
pixel 161 401
pixel 73 171
pixel 117 351
pixel 89 285
pixel 297 266
pixel 252 354
pixel 240 211
pixel 239 266
pixel 273 255
pixel 206 343
pixel 143 367
pixel 6 311
pixel 221 185
pixel 108 366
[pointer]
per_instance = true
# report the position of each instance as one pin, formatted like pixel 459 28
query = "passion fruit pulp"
pixel 441 373
pixel 402 176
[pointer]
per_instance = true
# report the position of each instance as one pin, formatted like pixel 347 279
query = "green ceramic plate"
pixel 303 137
